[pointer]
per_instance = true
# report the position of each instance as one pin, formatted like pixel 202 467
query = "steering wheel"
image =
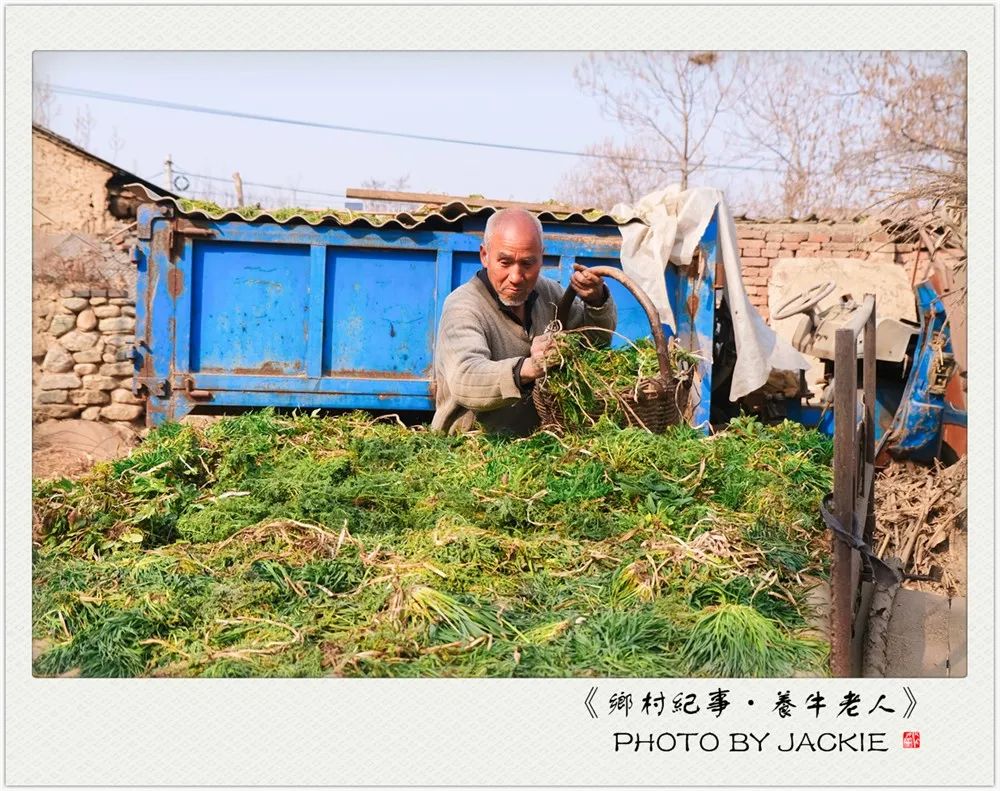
pixel 802 302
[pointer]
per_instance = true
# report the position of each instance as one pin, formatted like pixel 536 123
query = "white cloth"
pixel 670 227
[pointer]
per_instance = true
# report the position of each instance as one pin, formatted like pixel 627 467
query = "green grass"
pixel 587 382
pixel 737 640
pixel 269 545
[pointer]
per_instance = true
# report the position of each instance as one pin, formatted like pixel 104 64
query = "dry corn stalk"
pixel 920 513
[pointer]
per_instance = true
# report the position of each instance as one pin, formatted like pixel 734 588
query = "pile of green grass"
pixel 588 382
pixel 266 545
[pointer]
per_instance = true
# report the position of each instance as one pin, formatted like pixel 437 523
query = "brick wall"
pixel 761 244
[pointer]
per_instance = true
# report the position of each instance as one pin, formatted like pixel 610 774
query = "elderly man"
pixel 491 343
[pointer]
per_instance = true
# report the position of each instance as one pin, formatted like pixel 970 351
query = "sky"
pixel 514 98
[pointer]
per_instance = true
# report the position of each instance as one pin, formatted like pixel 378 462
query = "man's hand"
pixel 588 286
pixel 543 354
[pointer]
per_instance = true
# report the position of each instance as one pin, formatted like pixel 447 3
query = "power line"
pixel 259 184
pixel 193 108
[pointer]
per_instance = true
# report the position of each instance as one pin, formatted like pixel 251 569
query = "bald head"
pixel 517 220
pixel 511 252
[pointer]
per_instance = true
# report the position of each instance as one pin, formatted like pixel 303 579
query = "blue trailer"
pixel 342 313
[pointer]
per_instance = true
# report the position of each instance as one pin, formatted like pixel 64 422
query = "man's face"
pixel 513 260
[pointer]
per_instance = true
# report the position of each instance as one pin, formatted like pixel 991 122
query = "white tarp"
pixel 673 223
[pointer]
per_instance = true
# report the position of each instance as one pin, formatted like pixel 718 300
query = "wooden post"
pixel 238 184
pixel 868 372
pixel 850 449
pixel 845 464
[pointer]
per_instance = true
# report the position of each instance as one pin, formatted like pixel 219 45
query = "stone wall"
pixel 82 367
pixel 762 243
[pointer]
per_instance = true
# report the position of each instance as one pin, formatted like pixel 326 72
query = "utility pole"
pixel 168 169
pixel 238 184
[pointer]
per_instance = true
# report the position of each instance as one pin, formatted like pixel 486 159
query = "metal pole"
pixel 168 170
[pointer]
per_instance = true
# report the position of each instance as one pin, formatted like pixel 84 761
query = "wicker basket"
pixel 654 403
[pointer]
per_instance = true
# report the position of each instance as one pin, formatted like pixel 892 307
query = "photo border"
pixel 466 732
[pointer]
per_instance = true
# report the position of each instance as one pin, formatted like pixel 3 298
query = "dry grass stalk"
pixel 918 513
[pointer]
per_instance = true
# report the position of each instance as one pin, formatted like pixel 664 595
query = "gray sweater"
pixel 479 347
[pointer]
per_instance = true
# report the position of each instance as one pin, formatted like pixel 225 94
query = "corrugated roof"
pixel 439 217
pixel 427 217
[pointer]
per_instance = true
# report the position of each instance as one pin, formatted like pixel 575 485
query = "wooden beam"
pixel 472 202
pixel 845 465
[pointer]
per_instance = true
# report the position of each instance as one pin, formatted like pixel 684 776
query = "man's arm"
pixel 595 308
pixel 475 380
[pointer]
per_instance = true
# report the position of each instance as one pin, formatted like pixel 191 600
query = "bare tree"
pixel 43 103
pixel 667 102
pixel 861 132
pixel 799 122
pixel 917 160
pixel 116 143
pixel 84 126
pixel 798 133
pixel 920 100
pixel 618 173
pixel 399 185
